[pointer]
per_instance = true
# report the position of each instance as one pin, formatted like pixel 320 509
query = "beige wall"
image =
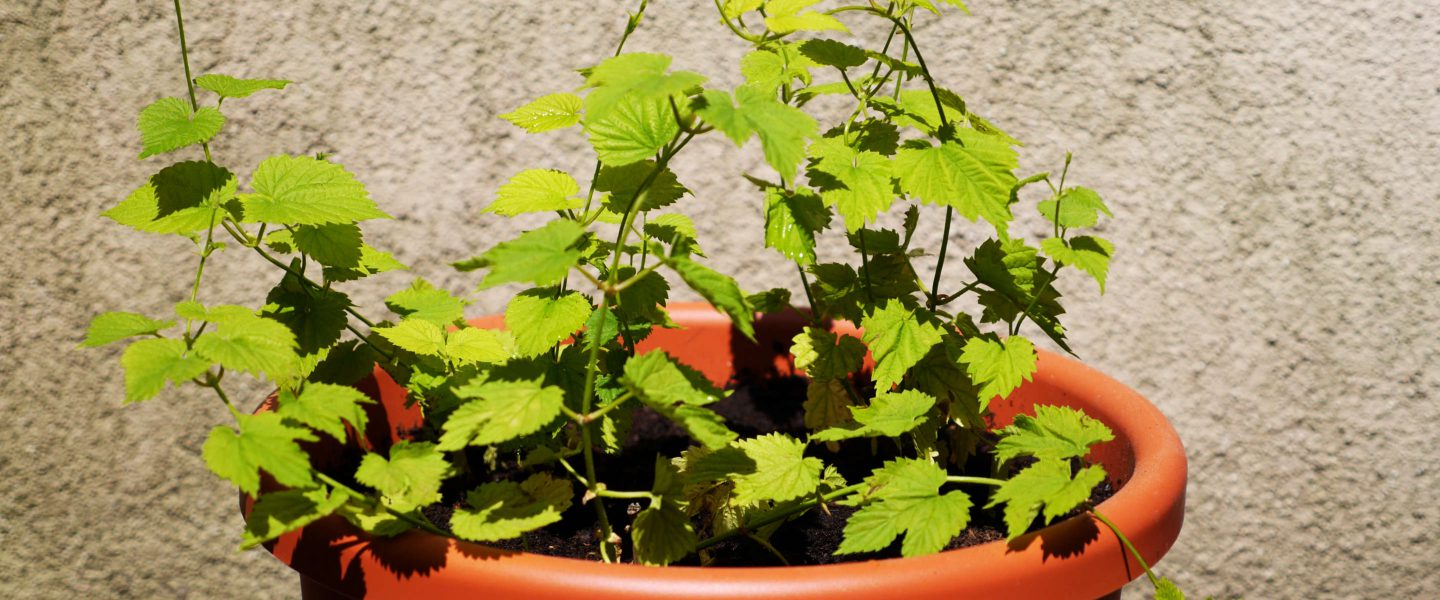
pixel 1273 166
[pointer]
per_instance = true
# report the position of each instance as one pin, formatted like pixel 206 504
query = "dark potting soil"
pixel 772 405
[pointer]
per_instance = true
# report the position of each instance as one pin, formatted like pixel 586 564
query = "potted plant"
pixel 875 438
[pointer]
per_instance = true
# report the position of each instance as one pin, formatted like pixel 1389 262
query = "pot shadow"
pixel 331 555
pixel 1062 540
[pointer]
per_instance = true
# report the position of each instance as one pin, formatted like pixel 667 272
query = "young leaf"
pixel 251 343
pixel 500 411
pixel 824 355
pixel 234 87
pixel 1077 206
pixel 265 442
pixel 280 512
pixel 1167 590
pixel 539 319
pixel 898 338
pixel 323 407
pixel 906 499
pixel 677 392
pixel 634 76
pixel 1044 484
pixel 410 478
pixel 541 256
pixel 372 261
pixel 552 111
pixel 785 16
pixel 623 182
pixel 170 124
pixel 316 316
pixel 426 302
pixel 415 335
pixel 827 405
pixel 767 69
pixel 832 53
pixel 634 130
pixel 791 221
pixel 662 532
pixel 182 198
pixel 473 345
pixel 333 245
pixel 150 363
pixel 115 326
pixel 1015 273
pixel 720 290
pixel 504 510
pixel 301 190
pixel 856 183
pixel 998 366
pixel 1055 432
pixel 735 8
pixel 1087 253
pixel 975 179
pixel 674 229
pixel 536 190
pixel 782 471
pixel 783 129
pixel 890 414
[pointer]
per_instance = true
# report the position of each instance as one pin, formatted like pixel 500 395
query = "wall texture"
pixel 1272 166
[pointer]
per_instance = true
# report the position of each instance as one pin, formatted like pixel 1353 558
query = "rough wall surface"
pixel 1272 165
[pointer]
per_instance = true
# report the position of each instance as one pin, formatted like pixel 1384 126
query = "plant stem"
pixel 975 480
pixel 778 515
pixel 865 266
pixel 414 522
pixel 1128 546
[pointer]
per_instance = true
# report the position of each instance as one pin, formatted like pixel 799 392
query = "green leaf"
pixel 906 500
pixel 115 326
pixel 410 478
pixel 1046 484
pixel 500 412
pixel 662 532
pixel 791 221
pixel 838 291
pixel 150 363
pixel 426 302
pixel 783 129
pixel 898 339
pixel 635 130
pixel 919 110
pixel 415 335
pixel 170 124
pixel 998 366
pixel 182 198
pixel 827 405
pixel 835 54
pixel 301 190
pixel 551 111
pixel 785 16
pixel 1167 590
pixel 539 320
pixel 1055 432
pixel 280 512
pixel 720 290
pixel 265 442
pixel 372 519
pixel 541 256
pixel 856 183
pixel 677 392
pixel 1015 272
pixel 334 245
pixel 316 316
pixel 770 301
pixel 624 181
pixel 234 87
pixel 974 179
pixel 1077 206
pixel 735 8
pixel 1087 253
pixel 473 345
pixel 893 413
pixel 251 343
pixel 782 471
pixel 824 355
pixel 674 229
pixel 323 407
pixel 372 261
pixel 777 64
pixel 536 190
pixel 626 78
pixel 505 510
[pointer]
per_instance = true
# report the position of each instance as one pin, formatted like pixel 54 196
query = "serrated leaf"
pixel 974 179
pixel 1167 590
pixel 785 16
pixel 234 87
pixel 409 478
pixel 170 124
pixel 906 499
pixel 316 316
pixel 997 366
pixel 254 344
pixel 824 355
pixel 536 190
pixel 280 512
pixel 326 408
pixel 856 183
pixel 920 111
pixel 1046 484
pixel 623 182
pixel 674 229
pixel 372 519
pixel 548 112
pixel 792 219
pixel 415 335
pixel 1077 206
pixel 1055 432
pixel 631 77
pixel 265 442
pixel 767 69
pixel 505 510
pixel 663 534
pixel 302 190
pixel 720 290
pixel 500 411
pixel 541 256
pixel 635 130
pixel 539 319
pixel 426 302
pixel 837 290
pixel 677 392
pixel 833 53
pixel 735 8
pixel 182 198
pixel 783 130
pixel 1015 273
pixel 1088 253
pixel 372 261
pixel 827 405
pixel 894 413
pixel 115 326
pixel 333 245
pixel 150 363
pixel 782 471
pixel 897 338
pixel 473 345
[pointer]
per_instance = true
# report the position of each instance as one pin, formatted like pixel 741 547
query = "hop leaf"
pixel 1077 206
pixel 898 338
pixel 835 54
pixel 662 532
pixel 1087 253
pixel 1055 432
pixel 150 363
pixel 890 414
pixel 1044 484
pixel 182 198
pixel 1167 590
pixel 857 183
pixel 783 129
pixel 410 478
pixel 278 513
pixel 505 509
pixel 552 111
pixel 542 256
pixel 333 245
pixel 824 355
pixel 265 442
pixel 426 302
pixel 634 76
pixel 115 326
pixel 536 190
pixel 624 182
pixel 326 407
pixel 301 190
pixel 501 411
pixel 998 366
pixel 720 290
pixel 170 124
pixel 472 345
pixel 232 87
pixel 633 131
pixel 785 16
pixel 827 404
pixel 782 471
pixel 905 499
pixel 243 341
pixel 791 221
pixel 677 392
pixel 539 319
pixel 974 179
pixel 415 335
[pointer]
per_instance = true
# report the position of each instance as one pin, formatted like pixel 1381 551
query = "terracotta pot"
pixel 1069 559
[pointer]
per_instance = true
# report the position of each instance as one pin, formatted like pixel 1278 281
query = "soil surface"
pixel 754 408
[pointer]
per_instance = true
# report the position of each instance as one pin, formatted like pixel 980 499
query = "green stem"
pixel 406 517
pixel 779 515
pixel 1128 546
pixel 975 480
pixel 865 266
pixel 609 493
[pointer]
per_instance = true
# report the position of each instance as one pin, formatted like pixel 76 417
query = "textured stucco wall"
pixel 1272 165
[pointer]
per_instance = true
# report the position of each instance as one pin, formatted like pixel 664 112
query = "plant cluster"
pixel 559 385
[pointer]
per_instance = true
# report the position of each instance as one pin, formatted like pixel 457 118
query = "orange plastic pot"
pixel 1070 559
